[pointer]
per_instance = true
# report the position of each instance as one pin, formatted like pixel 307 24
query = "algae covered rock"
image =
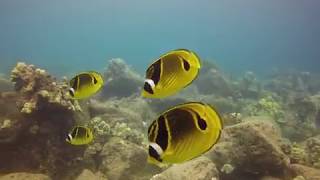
pixel 24 176
pixel 89 175
pixel 38 90
pixel 252 148
pixel 307 173
pixel 12 122
pixel 212 81
pixel 313 151
pixel 36 119
pixel 198 169
pixel 121 160
pixel 120 80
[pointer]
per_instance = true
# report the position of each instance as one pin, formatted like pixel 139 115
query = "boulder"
pixel 89 175
pixel 122 160
pixel 24 176
pixel 254 150
pixel 200 168
pixel 307 172
pixel 212 81
pixel 120 80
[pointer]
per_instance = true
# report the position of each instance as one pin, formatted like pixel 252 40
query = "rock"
pixel 252 148
pixel 126 118
pixel 307 172
pixel 11 121
pixel 131 110
pixel 24 176
pixel 35 119
pixel 198 169
pixel 270 178
pixel 312 148
pixel 121 80
pixel 89 175
pixel 122 160
pixel 212 81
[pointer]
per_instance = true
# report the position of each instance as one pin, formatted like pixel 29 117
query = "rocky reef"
pixel 121 80
pixel 270 132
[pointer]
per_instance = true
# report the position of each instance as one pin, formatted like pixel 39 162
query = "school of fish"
pixel 179 134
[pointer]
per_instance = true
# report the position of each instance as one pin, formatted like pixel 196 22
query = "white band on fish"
pixel 150 82
pixel 156 147
pixel 72 90
pixel 70 137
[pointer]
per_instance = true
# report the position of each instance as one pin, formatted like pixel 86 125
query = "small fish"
pixel 182 133
pixel 85 85
pixel 171 73
pixel 80 135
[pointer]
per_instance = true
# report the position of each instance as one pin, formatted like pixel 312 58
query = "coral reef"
pixel 313 151
pixel 126 118
pixel 297 154
pixel 38 90
pixel 266 106
pixel 271 130
pixel 35 120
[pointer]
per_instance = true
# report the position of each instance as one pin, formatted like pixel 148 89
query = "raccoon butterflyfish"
pixel 80 135
pixel 171 73
pixel 85 84
pixel 182 133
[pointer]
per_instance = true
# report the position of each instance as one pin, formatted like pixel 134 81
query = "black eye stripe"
pixel 153 153
pixel 154 71
pixel 148 88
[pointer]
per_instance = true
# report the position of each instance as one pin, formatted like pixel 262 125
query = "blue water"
pixel 72 35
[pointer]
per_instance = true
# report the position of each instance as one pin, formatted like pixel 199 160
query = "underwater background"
pixel 260 69
pixel 239 35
